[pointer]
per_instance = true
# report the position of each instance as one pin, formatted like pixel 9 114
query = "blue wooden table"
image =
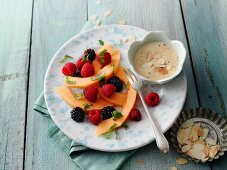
pixel 32 30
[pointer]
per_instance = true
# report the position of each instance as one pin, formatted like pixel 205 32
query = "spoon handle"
pixel 161 141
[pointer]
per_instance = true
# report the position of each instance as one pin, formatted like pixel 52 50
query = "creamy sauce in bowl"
pixel 156 60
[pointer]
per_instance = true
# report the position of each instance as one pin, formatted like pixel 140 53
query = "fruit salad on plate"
pixel 107 98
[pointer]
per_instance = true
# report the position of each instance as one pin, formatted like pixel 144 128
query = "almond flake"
pixel 147 65
pixel 174 168
pixel 181 161
pixel 93 17
pixel 198 154
pixel 161 61
pixel 214 149
pixel 180 135
pixel 206 151
pixel 187 124
pixel 200 131
pixel 132 38
pixel 205 133
pixel 185 148
pixel 107 13
pixel 168 67
pixel 205 159
pixel 98 1
pixel 198 146
pixel 194 136
pixel 121 22
pixel 210 141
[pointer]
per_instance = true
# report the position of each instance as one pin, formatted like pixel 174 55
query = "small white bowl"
pixel 157 36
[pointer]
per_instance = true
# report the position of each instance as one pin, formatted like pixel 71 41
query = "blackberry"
pixel 90 54
pixel 107 112
pixel 77 114
pixel 116 81
pixel 77 74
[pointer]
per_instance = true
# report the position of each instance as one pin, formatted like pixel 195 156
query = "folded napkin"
pixel 84 157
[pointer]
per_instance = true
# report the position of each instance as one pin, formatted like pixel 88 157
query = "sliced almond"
pixel 197 125
pixel 93 17
pixel 205 133
pixel 161 61
pixel 150 56
pixel 214 149
pixel 98 1
pixel 180 135
pixel 162 71
pixel 198 154
pixel 132 38
pixel 187 124
pixel 121 22
pixel 174 168
pixel 168 67
pixel 107 13
pixel 200 131
pixel 147 65
pixel 210 141
pixel 205 159
pixel 186 148
pixel 198 146
pixel 206 151
pixel 181 161
pixel 194 136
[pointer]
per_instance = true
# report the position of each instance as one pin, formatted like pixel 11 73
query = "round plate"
pixel 139 133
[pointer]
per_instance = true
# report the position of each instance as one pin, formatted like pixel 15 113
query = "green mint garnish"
pixel 113 66
pixel 87 105
pixel 107 136
pixel 127 85
pixel 124 125
pixel 66 57
pixel 102 80
pixel 116 115
pixel 101 42
pixel 101 54
pixel 98 77
pixel 79 96
pixel 68 81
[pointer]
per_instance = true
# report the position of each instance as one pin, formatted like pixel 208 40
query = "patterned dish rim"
pixel 215 120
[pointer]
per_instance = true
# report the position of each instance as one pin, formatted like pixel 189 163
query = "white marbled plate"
pixel 138 134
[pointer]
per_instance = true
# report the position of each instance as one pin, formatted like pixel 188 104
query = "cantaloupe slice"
pixel 67 95
pixel 105 125
pixel 107 71
pixel 116 98
pixel 97 66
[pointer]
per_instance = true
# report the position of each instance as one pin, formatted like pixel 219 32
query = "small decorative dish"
pixel 200 134
pixel 156 59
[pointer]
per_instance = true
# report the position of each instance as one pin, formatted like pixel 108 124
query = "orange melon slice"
pixel 97 66
pixel 67 95
pixel 116 98
pixel 107 71
pixel 105 125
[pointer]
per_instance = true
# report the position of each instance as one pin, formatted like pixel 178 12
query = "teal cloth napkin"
pixel 85 158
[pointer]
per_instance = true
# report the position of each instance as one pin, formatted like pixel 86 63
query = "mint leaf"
pixel 101 42
pixel 107 136
pixel 98 77
pixel 102 80
pixel 66 57
pixel 101 55
pixel 113 66
pixel 124 125
pixel 69 81
pixel 79 96
pixel 116 114
pixel 87 105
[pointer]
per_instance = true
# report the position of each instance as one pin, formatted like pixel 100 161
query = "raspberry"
pixel 107 112
pixel 104 58
pixel 87 70
pixel 91 93
pixel 81 62
pixel 152 99
pixel 89 54
pixel 77 114
pixel 108 89
pixel 69 69
pixel 116 81
pixel 94 116
pixel 135 115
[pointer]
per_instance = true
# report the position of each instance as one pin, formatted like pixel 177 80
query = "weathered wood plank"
pixel 54 23
pixel 206 24
pixel 14 57
pixel 152 15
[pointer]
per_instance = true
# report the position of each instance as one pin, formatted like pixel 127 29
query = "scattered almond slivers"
pixel 193 141
pixel 181 161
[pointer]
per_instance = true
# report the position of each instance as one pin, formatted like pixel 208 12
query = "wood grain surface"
pixel 32 31
pixel 14 58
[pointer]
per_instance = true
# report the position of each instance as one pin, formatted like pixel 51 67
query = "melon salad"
pixel 108 98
